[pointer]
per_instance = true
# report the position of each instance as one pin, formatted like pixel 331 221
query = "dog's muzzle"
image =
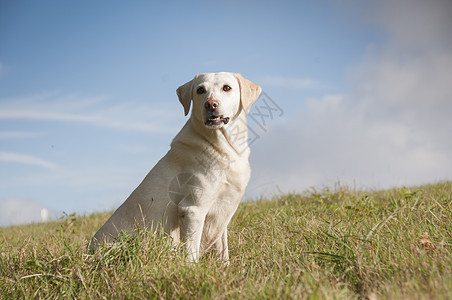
pixel 216 120
pixel 213 116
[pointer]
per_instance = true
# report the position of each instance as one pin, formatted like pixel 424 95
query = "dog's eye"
pixel 200 90
pixel 226 88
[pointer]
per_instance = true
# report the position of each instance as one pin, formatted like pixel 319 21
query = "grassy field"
pixel 329 244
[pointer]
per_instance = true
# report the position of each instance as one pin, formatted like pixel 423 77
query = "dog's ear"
pixel 185 93
pixel 249 92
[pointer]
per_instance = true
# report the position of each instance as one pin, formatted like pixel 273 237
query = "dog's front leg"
pixel 222 247
pixel 191 221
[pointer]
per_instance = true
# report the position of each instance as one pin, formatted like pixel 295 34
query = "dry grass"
pixel 332 244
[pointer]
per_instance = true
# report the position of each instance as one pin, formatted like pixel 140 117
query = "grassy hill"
pixel 330 244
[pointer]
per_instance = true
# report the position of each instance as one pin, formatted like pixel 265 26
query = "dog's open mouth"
pixel 216 120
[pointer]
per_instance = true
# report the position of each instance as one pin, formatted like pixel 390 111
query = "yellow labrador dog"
pixel 194 190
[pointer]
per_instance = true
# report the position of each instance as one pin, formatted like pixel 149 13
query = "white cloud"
pixel 21 211
pixel 415 23
pixel 10 157
pixel 391 128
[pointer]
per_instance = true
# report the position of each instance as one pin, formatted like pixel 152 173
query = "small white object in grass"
pixel 44 214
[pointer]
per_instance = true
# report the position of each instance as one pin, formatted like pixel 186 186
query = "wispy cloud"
pixel 18 134
pixel 97 111
pixel 290 82
pixel 10 157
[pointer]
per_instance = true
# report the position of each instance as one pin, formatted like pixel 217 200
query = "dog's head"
pixel 218 97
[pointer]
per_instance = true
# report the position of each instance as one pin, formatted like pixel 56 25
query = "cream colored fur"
pixel 194 190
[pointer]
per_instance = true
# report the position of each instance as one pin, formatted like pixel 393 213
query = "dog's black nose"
pixel 212 105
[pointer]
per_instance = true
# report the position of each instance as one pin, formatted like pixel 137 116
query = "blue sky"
pixel 88 102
